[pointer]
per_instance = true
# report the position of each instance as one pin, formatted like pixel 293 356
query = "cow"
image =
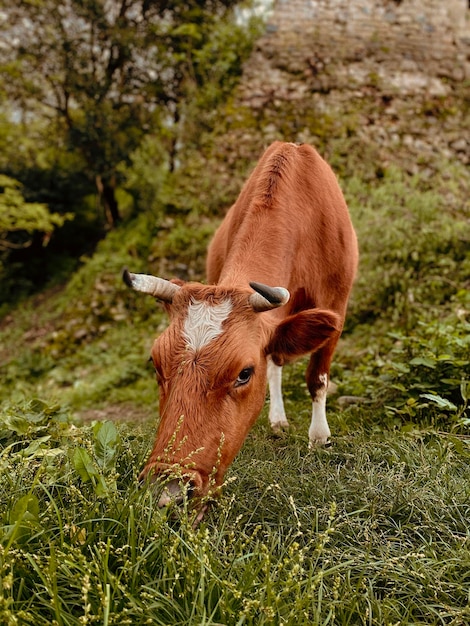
pixel 280 269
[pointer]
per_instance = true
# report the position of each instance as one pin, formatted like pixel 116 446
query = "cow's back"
pixel 290 226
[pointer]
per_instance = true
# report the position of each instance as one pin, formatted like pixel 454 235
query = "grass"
pixel 373 530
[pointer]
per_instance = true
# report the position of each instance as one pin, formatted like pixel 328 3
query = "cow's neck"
pixel 260 265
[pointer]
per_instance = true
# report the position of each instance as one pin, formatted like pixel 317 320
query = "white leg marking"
pixel 277 414
pixel 204 323
pixel 319 431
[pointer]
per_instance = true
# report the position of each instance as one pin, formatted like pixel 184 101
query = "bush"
pixel 419 378
pixel 427 374
pixel 413 235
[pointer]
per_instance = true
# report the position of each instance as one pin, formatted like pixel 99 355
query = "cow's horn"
pixel 154 286
pixel 267 298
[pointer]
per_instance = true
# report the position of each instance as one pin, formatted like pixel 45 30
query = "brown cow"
pixel 290 226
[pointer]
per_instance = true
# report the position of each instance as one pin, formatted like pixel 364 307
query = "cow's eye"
pixel 244 376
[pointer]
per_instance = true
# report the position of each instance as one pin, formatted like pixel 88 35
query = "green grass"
pixel 373 530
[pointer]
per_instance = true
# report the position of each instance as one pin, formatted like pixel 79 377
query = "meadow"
pixel 372 530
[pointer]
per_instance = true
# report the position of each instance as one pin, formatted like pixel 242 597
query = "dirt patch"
pixel 126 412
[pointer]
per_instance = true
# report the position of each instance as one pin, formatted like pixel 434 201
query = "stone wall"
pixel 413 45
pixel 384 59
pixel 428 30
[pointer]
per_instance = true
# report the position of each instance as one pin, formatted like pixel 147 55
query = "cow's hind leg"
pixel 318 372
pixel 277 414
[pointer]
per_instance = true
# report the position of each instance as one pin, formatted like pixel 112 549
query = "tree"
pixel 19 219
pixel 110 71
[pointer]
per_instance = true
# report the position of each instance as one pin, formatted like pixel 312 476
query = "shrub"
pixel 413 236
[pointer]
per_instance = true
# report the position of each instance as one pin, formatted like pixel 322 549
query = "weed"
pixel 370 530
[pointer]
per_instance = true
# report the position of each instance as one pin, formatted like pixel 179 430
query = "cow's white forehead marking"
pixel 204 322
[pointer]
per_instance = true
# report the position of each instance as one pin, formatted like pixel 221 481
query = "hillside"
pixel 402 159
pixel 375 528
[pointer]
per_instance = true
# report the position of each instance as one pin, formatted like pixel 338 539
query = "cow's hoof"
pixel 279 428
pixel 319 443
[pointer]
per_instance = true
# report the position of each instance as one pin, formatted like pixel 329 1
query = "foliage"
pixel 112 72
pixel 31 421
pixel 20 219
pixel 371 530
pixel 413 235
pixel 35 155
pixel 416 378
pixel 297 536
pixel 26 228
pixel 428 372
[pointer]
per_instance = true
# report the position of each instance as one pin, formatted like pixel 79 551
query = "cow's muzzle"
pixel 175 486
pixel 174 492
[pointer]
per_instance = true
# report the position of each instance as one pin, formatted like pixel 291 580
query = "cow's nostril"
pixel 174 492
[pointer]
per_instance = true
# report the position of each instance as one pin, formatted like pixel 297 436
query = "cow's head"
pixel 211 366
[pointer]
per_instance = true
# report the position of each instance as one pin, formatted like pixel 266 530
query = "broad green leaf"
pixel 423 361
pixel 401 367
pixel 37 406
pixel 34 446
pixel 88 472
pixel 106 444
pixel 84 465
pixel 25 509
pixel 23 520
pixel 19 424
pixel 441 402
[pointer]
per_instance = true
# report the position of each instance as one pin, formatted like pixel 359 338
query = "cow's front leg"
pixel 277 414
pixel 319 431
pixel 317 382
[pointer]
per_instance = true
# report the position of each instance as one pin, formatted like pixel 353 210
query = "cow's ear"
pixel 302 333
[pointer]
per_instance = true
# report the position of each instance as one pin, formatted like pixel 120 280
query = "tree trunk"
pixel 106 187
pixel 173 152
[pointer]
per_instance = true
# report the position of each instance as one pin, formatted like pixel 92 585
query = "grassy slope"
pixel 373 530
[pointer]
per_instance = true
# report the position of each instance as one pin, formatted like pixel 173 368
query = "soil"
pixel 125 412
